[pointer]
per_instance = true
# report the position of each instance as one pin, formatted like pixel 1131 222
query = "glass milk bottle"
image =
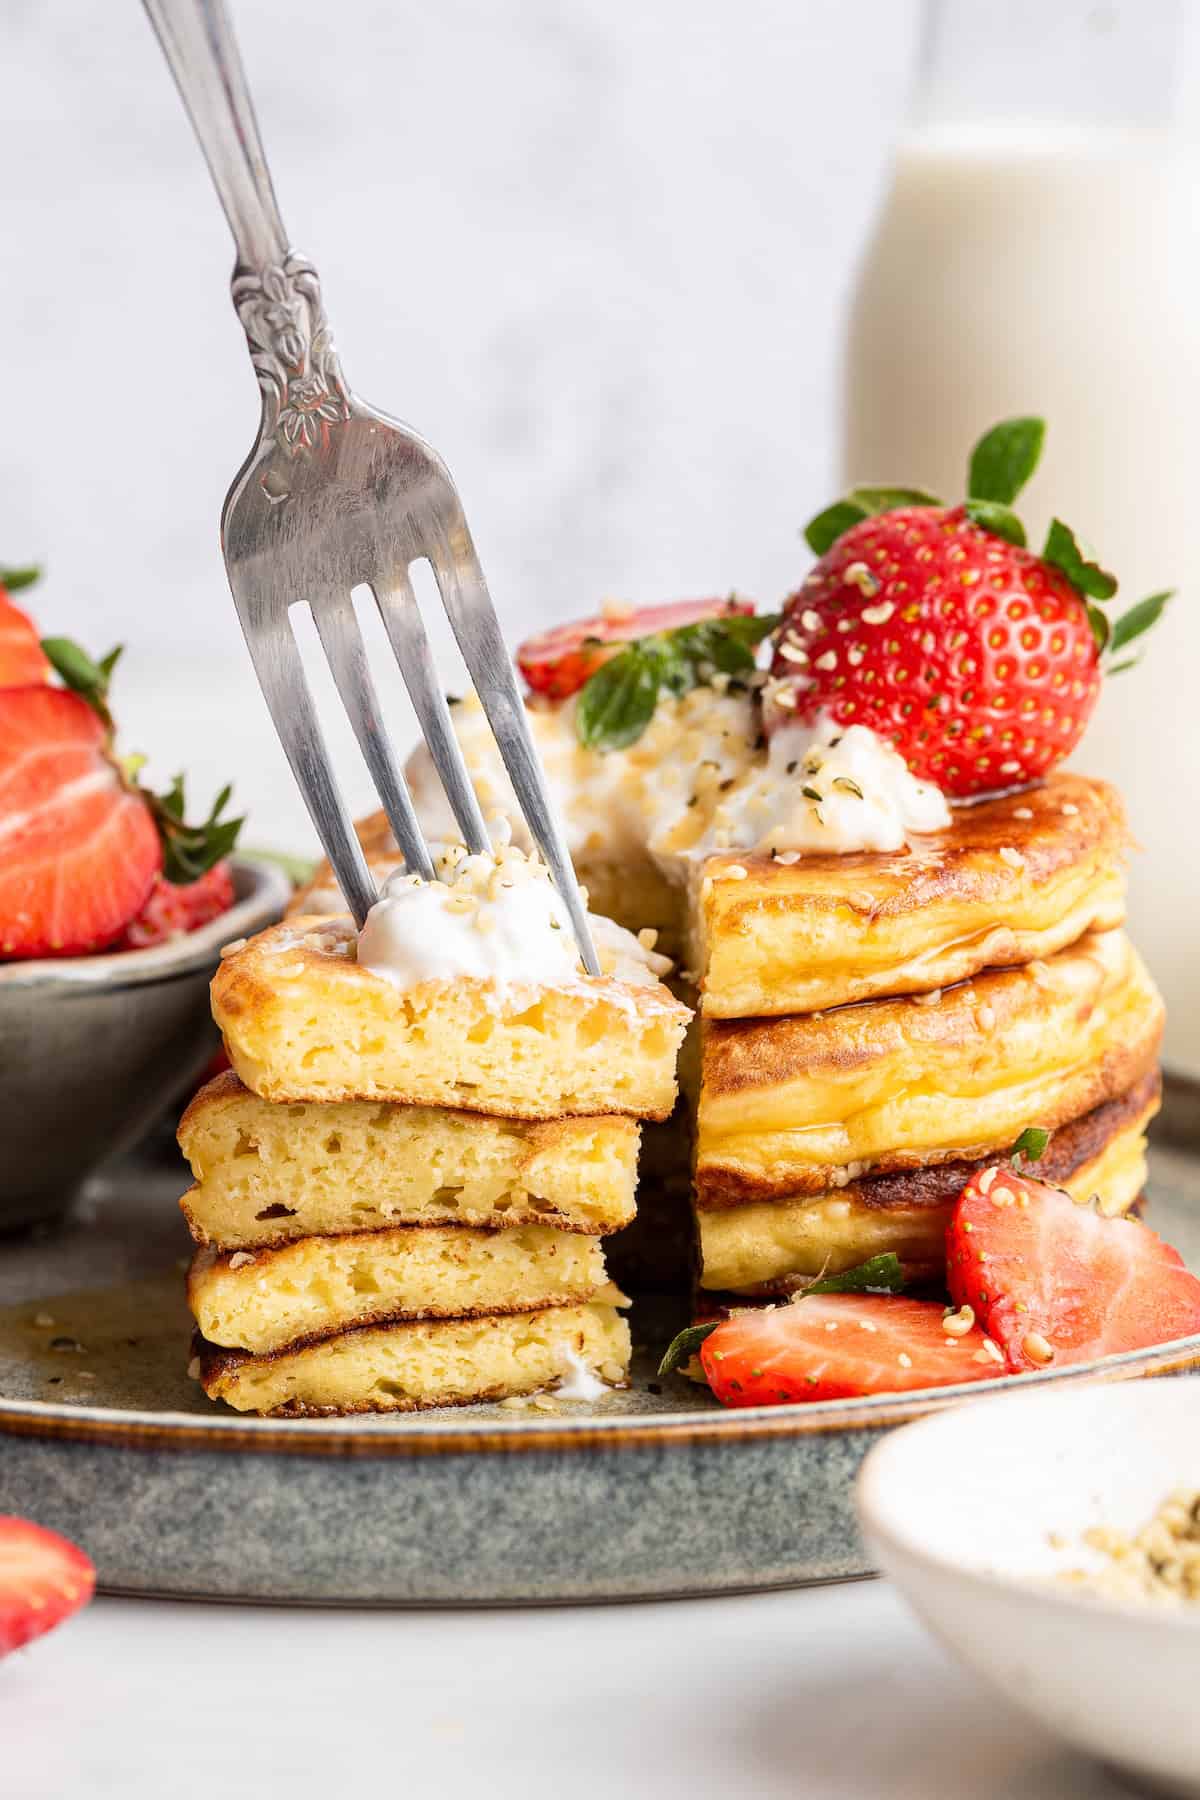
pixel 1039 252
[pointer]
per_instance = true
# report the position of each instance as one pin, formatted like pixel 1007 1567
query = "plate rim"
pixel 411 1435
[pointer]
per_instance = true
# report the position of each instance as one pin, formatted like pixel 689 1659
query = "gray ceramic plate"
pixel 652 1493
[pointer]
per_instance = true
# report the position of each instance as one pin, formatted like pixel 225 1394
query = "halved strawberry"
pixel 172 909
pixel 43 1580
pixel 78 850
pixel 834 1346
pixel 22 659
pixel 557 663
pixel 1052 1281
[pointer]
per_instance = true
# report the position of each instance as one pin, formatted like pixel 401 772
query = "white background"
pixel 596 253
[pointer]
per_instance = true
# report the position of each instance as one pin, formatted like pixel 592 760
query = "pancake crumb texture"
pixel 263 1300
pixel 302 1021
pixel 409 1367
pixel 271 1173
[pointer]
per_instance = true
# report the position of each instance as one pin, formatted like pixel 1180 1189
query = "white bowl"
pixel 959 1510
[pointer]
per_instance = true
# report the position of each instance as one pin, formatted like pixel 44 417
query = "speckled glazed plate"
pixel 647 1494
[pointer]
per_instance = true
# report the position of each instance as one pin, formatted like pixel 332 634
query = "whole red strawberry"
pixel 977 660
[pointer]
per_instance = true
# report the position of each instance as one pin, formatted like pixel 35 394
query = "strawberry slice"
pixel 43 1580
pixel 172 909
pixel 1052 1281
pixel 22 659
pixel 557 663
pixel 836 1346
pixel 78 850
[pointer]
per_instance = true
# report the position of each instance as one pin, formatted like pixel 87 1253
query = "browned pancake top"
pixel 1063 821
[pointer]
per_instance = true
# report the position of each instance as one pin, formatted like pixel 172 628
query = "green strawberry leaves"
pixel 82 674
pixel 1134 624
pixel 1063 549
pixel 13 580
pixel 1031 1145
pixel 997 518
pixel 860 503
pixel 1096 586
pixel 617 703
pixel 684 1345
pixel 1003 461
pixel 189 851
pixel 878 1275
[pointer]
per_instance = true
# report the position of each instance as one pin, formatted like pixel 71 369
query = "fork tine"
pixel 343 644
pixel 407 635
pixel 281 676
pixel 477 629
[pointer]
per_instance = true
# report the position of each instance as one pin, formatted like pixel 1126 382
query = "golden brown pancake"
pixel 1013 879
pixel 265 1300
pixel 762 1246
pixel 802 1105
pixel 268 1174
pixel 302 1021
pixel 411 1366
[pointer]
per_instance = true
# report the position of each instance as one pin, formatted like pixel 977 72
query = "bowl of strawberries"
pixel 113 913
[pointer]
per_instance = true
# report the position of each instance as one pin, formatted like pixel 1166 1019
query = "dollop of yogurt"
pixel 826 787
pixel 702 778
pixel 496 919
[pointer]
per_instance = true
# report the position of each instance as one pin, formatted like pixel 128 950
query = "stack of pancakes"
pixel 400 1194
pixel 873 1026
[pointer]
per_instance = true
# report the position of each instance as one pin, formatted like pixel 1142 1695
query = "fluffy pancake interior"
pixel 405 1367
pixel 1012 879
pixel 268 1174
pixel 303 1022
pixel 744 1247
pixel 263 1300
pixel 803 1104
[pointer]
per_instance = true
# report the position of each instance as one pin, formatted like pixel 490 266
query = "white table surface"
pixel 824 1694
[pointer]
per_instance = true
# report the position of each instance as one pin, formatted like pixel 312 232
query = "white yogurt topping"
pixel 827 787
pixel 701 779
pixel 578 1382
pixel 496 919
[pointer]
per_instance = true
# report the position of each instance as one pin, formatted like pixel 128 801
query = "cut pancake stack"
pixel 874 1025
pixel 401 1193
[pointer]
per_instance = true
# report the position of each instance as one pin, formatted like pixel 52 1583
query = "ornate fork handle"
pixel 291 347
pixel 276 291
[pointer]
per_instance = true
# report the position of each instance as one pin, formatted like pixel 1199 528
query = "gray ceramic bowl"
pixel 93 1048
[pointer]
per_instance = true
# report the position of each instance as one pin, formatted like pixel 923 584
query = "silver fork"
pixel 334 496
